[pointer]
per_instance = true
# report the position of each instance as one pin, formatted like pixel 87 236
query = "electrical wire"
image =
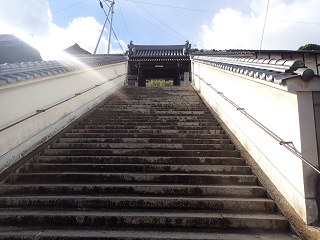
pixel 160 20
pixel 30 1
pixel 51 13
pixel 124 20
pixel 153 24
pixel 182 8
pixel 116 38
pixel 208 11
pixel 101 5
pixel 264 26
pixel 106 2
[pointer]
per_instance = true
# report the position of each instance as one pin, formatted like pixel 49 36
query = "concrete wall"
pixel 289 114
pixel 22 99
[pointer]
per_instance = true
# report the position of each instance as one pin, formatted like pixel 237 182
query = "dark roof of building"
pixel 159 50
pixel 14 50
pixel 76 50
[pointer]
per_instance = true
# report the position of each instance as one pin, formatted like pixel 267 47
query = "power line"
pixel 106 2
pixel 153 24
pixel 116 37
pixel 30 1
pixel 208 11
pixel 264 26
pixel 124 20
pixel 160 20
pixel 51 13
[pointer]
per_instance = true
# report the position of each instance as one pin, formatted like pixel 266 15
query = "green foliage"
pixel 159 83
pixel 309 47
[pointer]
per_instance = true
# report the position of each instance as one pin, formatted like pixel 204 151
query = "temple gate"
pixel 159 62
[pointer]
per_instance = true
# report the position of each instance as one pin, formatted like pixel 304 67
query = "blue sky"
pixel 218 24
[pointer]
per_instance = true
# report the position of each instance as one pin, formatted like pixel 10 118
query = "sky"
pixel 53 25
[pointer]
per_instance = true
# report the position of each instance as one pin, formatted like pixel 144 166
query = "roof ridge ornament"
pixel 130 47
pixel 186 49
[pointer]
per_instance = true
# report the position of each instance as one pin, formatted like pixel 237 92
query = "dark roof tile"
pixel 76 50
pixel 13 50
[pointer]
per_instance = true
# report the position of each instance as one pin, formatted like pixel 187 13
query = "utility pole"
pixel 110 9
pixel 112 6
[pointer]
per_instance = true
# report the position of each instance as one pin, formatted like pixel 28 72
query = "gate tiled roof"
pixel 158 50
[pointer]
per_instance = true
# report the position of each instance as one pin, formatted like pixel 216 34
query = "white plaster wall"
pixel 297 56
pixel 278 110
pixel 263 55
pixel 20 100
pixel 286 56
pixel 310 62
pixel 275 55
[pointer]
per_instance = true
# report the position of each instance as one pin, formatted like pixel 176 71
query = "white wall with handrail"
pixel 83 89
pixel 287 111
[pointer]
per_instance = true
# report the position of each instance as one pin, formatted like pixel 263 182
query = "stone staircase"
pixel 149 163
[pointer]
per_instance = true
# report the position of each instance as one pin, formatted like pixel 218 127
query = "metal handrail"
pixel 66 100
pixel 265 129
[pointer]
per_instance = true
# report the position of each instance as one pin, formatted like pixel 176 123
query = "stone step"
pixel 119 122
pixel 169 146
pixel 251 205
pixel 233 161
pixel 164 92
pixel 229 191
pixel 146 126
pixel 150 131
pixel 138 120
pixel 174 104
pixel 157 102
pixel 97 116
pixel 154 110
pixel 147 168
pixel 155 113
pixel 189 101
pixel 141 152
pixel 168 106
pixel 81 233
pixel 157 96
pixel 137 218
pixel 155 93
pixel 146 135
pixel 145 140
pixel 149 163
pixel 170 178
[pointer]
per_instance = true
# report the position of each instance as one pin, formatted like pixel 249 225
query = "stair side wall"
pixel 21 100
pixel 287 114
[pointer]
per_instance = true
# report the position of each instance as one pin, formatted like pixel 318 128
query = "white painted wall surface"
pixel 287 114
pixel 23 99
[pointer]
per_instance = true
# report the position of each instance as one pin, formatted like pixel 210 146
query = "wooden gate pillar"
pixel 141 77
pixel 176 81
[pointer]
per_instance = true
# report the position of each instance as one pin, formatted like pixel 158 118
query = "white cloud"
pixel 115 47
pixel 233 30
pixel 50 39
pixel 84 31
pixel 17 16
